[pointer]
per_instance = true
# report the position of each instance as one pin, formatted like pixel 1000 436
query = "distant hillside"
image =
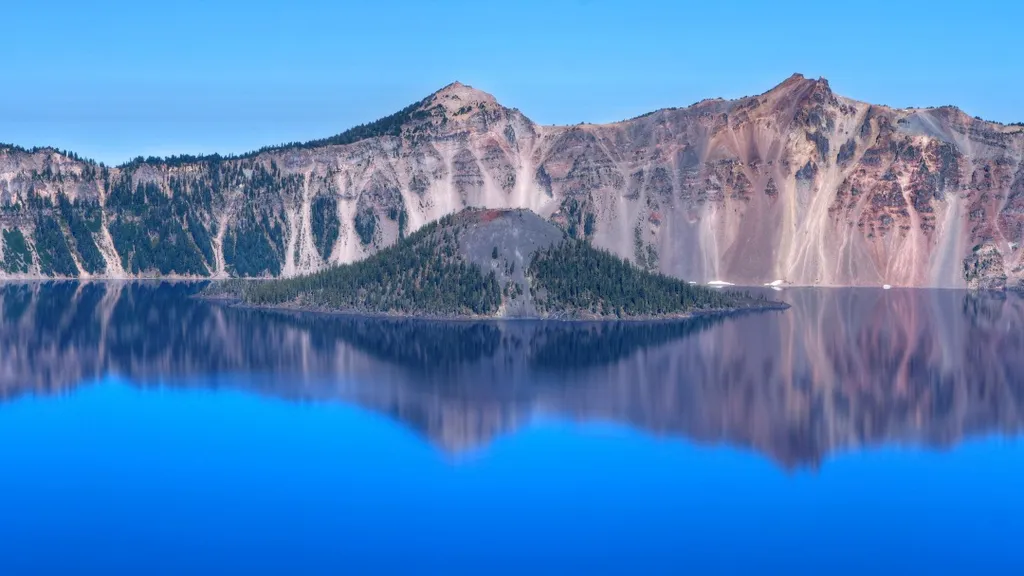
pixel 797 184
pixel 490 263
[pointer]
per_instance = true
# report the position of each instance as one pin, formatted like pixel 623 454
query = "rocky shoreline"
pixel 235 301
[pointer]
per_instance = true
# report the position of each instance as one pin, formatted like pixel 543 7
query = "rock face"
pixel 505 242
pixel 796 184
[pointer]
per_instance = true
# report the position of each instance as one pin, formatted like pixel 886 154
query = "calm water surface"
pixel 861 431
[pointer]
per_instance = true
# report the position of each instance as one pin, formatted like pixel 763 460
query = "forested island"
pixel 491 264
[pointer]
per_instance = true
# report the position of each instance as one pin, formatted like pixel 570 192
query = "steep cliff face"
pixel 796 184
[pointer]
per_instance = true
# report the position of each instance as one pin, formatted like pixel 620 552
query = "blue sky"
pixel 112 80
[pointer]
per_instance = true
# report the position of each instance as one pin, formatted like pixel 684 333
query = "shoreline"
pixel 235 302
pixel 19 279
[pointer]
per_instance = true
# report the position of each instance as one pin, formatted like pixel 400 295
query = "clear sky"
pixel 112 80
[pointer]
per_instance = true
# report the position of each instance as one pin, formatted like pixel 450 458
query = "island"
pixel 485 263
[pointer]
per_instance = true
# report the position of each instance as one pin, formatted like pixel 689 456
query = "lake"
pixel 860 431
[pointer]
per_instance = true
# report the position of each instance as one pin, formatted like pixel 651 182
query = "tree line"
pixel 575 277
pixel 423 275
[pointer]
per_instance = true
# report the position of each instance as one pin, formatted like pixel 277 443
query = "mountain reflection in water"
pixel 842 368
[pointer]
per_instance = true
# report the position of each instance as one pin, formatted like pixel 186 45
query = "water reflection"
pixel 840 369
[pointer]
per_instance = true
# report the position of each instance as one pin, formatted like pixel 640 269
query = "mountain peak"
pixel 799 80
pixel 456 85
pixel 456 96
pixel 798 90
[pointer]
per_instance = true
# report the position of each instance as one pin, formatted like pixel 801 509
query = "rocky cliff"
pixel 797 184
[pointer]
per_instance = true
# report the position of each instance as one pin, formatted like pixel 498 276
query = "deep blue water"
pixel 861 431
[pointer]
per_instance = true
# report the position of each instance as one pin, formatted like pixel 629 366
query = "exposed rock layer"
pixel 796 184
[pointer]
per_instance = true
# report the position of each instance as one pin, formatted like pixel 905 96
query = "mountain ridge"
pixel 201 157
pixel 795 184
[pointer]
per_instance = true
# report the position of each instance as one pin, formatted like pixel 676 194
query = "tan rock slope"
pixel 797 184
